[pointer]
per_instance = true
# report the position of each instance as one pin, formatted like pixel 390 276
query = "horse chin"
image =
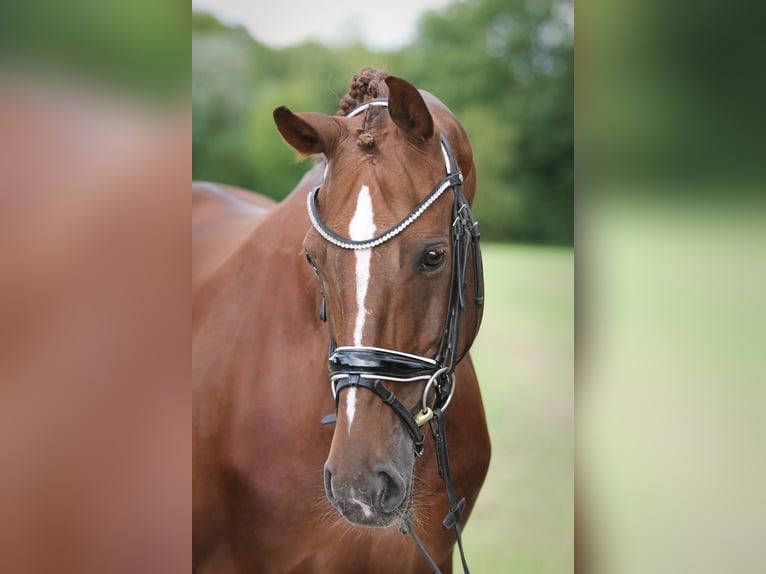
pixel 357 516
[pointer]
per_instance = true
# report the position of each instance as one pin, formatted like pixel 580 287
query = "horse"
pixel 391 299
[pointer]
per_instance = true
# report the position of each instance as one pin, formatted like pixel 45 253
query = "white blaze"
pixel 362 227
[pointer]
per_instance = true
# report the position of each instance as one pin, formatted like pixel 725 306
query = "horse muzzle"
pixel 371 484
pixel 376 499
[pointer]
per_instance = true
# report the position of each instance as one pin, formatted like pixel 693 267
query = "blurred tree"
pixel 505 67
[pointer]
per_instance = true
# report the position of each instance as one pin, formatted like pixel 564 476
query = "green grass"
pixel 523 522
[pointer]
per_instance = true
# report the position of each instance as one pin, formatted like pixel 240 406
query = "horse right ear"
pixel 309 133
pixel 408 110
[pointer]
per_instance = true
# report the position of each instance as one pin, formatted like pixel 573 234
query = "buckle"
pixel 444 371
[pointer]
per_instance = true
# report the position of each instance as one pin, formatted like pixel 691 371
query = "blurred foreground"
pixel 94 331
pixel 671 227
pixel 670 379
pixel 94 297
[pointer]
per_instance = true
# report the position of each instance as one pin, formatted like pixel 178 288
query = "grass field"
pixel 523 520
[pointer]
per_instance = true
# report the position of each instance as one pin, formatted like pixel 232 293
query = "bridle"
pixel 364 366
pixel 368 367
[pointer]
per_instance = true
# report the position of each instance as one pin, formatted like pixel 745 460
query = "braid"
pixel 368 84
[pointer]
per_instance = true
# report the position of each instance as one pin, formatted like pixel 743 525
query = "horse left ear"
pixel 309 133
pixel 408 110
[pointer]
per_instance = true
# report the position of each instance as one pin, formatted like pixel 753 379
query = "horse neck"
pixel 286 225
pixel 275 246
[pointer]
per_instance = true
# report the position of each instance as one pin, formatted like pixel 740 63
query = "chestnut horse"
pixel 388 232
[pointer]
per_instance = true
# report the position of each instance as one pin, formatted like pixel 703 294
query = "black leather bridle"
pixel 368 367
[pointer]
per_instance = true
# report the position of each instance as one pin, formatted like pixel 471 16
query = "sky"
pixel 383 25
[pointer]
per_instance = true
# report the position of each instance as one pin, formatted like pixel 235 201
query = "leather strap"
pixel 407 528
pixel 449 181
pixel 374 385
pixel 456 507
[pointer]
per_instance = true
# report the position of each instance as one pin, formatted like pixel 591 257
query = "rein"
pixel 368 367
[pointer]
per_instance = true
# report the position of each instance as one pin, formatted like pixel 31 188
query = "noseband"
pixel 368 367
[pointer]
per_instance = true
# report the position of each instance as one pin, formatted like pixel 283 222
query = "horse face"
pixel 392 296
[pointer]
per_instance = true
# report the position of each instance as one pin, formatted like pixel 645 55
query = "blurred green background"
pixel 505 67
pixel 524 356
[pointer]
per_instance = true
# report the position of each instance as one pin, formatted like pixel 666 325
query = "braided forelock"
pixel 368 84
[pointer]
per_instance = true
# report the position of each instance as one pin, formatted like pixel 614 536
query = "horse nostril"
pixel 393 492
pixel 328 485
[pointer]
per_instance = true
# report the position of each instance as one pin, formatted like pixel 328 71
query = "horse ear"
pixel 309 133
pixel 408 110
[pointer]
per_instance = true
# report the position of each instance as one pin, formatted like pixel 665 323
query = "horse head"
pixel 397 281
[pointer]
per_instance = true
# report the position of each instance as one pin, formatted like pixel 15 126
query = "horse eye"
pixel 433 258
pixel 311 261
